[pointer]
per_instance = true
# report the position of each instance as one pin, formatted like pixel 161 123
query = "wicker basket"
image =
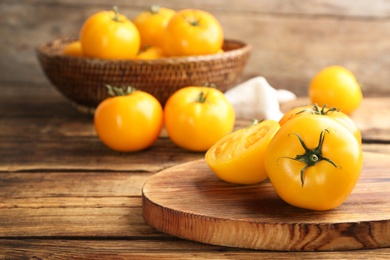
pixel 82 80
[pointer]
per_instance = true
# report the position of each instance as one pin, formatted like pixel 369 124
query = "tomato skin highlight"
pixel 103 37
pixel 129 123
pixel 195 125
pixel 193 32
pixel 325 186
pixel 238 157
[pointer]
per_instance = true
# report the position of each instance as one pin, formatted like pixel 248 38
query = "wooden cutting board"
pixel 190 202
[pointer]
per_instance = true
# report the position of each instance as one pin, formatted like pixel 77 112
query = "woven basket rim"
pixel 45 50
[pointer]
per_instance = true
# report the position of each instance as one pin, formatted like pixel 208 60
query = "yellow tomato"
pixel 196 117
pixel 150 53
pixel 73 49
pixel 333 113
pixel 336 86
pixel 193 32
pixel 238 157
pixel 109 35
pixel 130 122
pixel 151 25
pixel 313 162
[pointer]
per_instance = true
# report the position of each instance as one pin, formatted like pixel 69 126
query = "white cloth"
pixel 256 99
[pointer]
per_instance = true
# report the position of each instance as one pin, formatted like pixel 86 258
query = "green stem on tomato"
pixel 193 20
pixel 316 110
pixel 119 91
pixel 311 156
pixel 154 9
pixel 116 13
pixel 202 97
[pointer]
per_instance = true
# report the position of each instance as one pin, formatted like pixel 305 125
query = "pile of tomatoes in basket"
pixel 158 32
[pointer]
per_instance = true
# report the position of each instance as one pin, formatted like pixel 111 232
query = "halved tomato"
pixel 238 157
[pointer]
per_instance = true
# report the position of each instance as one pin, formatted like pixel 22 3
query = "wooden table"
pixel 64 195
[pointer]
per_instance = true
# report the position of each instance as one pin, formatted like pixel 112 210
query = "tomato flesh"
pixel 239 156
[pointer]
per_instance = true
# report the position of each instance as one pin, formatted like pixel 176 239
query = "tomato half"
pixel 238 157
pixel 336 86
pixel 129 123
pixel 196 117
pixel 151 25
pixel 313 162
pixel 109 35
pixel 193 32
pixel 331 112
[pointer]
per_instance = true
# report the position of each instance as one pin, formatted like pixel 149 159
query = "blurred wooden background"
pixel 292 40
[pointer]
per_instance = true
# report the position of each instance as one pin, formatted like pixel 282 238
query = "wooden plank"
pixel 377 148
pixel 292 41
pixel 70 204
pixel 17 190
pixel 169 248
pixel 76 154
pixel 64 222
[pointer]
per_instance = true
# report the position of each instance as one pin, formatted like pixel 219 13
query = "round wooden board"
pixel 190 202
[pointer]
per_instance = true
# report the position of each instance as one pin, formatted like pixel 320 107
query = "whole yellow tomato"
pixel 196 117
pixel 314 162
pixel 129 122
pixel 238 157
pixel 74 49
pixel 151 25
pixel 331 112
pixel 193 32
pixel 336 86
pixel 150 53
pixel 109 35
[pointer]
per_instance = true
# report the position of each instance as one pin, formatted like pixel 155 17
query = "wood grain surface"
pixel 64 195
pixel 190 202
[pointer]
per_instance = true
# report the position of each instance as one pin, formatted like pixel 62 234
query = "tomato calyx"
pixel 193 20
pixel 311 156
pixel 255 122
pixel 144 48
pixel 154 9
pixel 119 91
pixel 115 9
pixel 323 111
pixel 201 98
